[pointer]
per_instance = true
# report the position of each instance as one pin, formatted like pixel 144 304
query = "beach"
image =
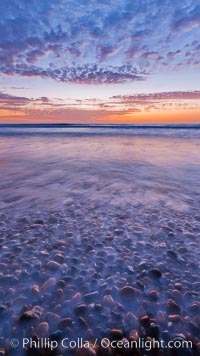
pixel 99 239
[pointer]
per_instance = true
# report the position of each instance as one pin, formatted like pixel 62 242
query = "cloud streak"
pixel 86 74
pixel 162 96
pixel 120 105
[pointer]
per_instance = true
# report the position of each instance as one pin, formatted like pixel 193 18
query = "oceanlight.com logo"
pixel 105 343
pixel 147 345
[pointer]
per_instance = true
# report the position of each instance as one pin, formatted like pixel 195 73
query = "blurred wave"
pixel 50 166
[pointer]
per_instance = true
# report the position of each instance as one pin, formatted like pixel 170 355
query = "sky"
pixel 100 61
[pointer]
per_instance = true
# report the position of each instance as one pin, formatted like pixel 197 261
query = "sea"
pixel 49 165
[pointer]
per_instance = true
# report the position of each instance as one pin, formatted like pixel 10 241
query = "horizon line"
pixel 178 126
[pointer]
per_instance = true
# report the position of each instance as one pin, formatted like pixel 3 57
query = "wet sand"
pixel 99 239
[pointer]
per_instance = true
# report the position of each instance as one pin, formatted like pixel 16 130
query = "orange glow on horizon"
pixel 99 117
pixel 184 117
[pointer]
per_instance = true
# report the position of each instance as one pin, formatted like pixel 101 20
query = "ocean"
pixel 100 232
pixel 50 164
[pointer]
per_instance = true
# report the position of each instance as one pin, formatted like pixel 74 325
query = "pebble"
pixel 24 220
pixel 90 297
pixel 155 272
pixel 172 254
pixel 144 320
pixel 108 301
pixel 153 331
pixel 52 266
pixel 56 335
pixel 35 290
pixel 43 328
pixel 48 285
pixel 194 308
pixel 65 323
pixel 34 313
pixel 129 292
pixel 80 309
pixel 194 328
pixel 39 222
pixel 152 295
pixel 173 307
pixel 116 334
pixel 131 320
pixel 52 318
pixel 161 317
pixel 59 258
pixel 177 296
pixel 60 293
pixel 52 219
pixel 175 318
pixel 3 309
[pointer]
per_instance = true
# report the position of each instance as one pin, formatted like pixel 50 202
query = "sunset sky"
pixel 100 61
